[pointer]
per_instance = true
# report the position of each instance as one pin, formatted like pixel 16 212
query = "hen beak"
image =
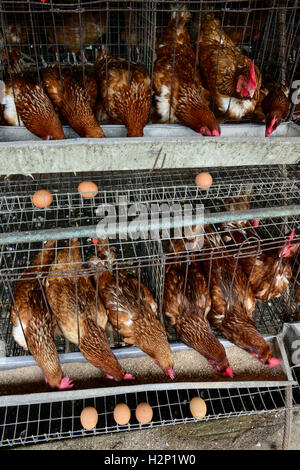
pixel 65 384
pixel 228 372
pixel 170 373
pixel 273 362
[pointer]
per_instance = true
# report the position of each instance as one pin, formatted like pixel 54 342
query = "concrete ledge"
pixel 179 147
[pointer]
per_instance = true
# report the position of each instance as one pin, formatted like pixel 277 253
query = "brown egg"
pixel 89 417
pixel 204 180
pixel 88 189
pixel 198 407
pixel 42 198
pixel 122 414
pixel 144 413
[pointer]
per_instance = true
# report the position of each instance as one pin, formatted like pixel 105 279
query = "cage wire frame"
pixel 37 423
pixel 269 188
pixel 23 210
pixel 133 30
pixel 144 254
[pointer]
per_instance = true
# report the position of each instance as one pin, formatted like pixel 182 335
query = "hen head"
pixel 272 122
pixel 49 129
pixel 204 130
pixel 64 384
pixel 270 361
pixel 222 369
pixel 246 81
pixel 167 370
pixel 288 250
pixel 251 341
pixel 209 125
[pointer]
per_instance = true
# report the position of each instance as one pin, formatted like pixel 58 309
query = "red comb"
pixel 216 133
pixel 170 373
pixel 256 223
pixel 285 250
pixel 270 129
pixel 95 241
pixel 129 377
pixel 252 71
pixel 65 383
pixel 291 236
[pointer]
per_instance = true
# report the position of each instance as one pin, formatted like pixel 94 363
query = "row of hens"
pixel 59 294
pixel 226 83
pixel 221 288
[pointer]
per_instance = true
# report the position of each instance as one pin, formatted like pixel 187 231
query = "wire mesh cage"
pixel 272 197
pixel 72 35
pixel 46 422
pixel 74 32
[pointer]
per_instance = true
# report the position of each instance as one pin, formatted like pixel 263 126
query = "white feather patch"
pixel 235 107
pixel 163 105
pixel 10 112
pixel 19 336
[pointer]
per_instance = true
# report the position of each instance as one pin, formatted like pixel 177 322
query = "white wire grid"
pixel 36 423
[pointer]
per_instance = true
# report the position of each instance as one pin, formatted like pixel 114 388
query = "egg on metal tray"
pixel 204 180
pixel 88 189
pixel 42 198
pixel 89 417
pixel 122 414
pixel 198 407
pixel 144 413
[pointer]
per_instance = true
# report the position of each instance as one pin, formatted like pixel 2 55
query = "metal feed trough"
pixel 163 146
pixel 276 342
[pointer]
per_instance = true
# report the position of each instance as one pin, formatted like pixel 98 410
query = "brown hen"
pixel 186 304
pixel 75 99
pixel 76 32
pixel 32 317
pixel 79 312
pixel 125 90
pixel 296 280
pixel 233 301
pixel 231 77
pixel 132 310
pixel 26 103
pixel 276 107
pixel 180 96
pixel 269 271
pixel 15 34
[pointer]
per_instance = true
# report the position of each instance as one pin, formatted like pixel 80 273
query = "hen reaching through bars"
pixel 186 304
pixel 74 96
pixel 125 89
pixel 34 325
pixel 131 308
pixel 180 96
pixel 79 312
pixel 233 301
